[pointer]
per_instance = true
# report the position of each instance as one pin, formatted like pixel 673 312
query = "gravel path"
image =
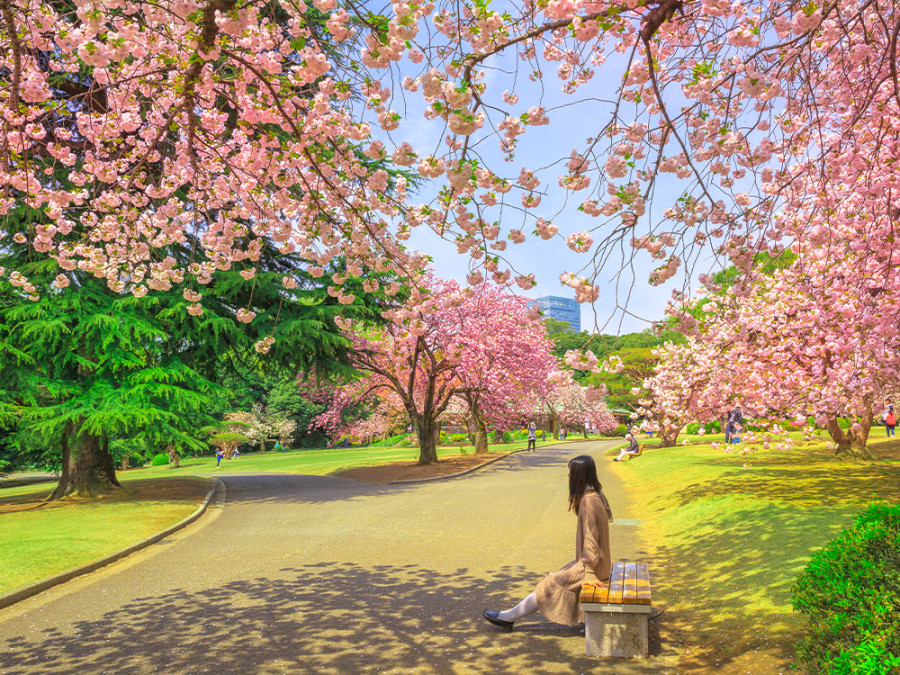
pixel 304 574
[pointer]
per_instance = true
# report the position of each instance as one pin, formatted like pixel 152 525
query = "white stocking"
pixel 527 606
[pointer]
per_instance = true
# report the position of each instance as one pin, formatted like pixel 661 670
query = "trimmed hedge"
pixel 850 595
pixel 160 459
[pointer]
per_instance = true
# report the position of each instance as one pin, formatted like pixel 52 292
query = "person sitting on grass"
pixel 557 595
pixel 632 448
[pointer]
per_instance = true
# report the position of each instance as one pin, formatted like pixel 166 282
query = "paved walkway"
pixel 303 574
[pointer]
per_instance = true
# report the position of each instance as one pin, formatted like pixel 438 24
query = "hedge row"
pixel 850 595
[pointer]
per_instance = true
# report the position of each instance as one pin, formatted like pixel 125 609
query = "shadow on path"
pixel 324 618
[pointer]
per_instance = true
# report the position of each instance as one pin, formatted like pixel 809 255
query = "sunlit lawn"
pixel 733 531
pixel 40 539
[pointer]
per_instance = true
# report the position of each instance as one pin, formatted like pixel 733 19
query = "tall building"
pixel 561 309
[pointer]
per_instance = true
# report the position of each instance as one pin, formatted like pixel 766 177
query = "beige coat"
pixel 557 594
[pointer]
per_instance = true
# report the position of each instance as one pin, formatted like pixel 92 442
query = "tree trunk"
pixel 262 444
pixel 428 431
pixel 668 435
pixel 851 443
pixel 498 436
pixel 481 441
pixel 87 467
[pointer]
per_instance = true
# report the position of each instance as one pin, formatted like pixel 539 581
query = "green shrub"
pixel 621 430
pixel 457 438
pixel 160 459
pixel 850 595
pixel 137 459
pixel 709 428
pixel 507 436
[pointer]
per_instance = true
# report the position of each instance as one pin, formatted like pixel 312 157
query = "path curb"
pixel 24 592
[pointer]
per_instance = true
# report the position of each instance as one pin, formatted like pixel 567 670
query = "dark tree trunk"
pixel 428 431
pixel 481 440
pixel 478 427
pixel 87 467
pixel 668 434
pixel 498 435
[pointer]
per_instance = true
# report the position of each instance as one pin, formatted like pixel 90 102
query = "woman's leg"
pixel 524 608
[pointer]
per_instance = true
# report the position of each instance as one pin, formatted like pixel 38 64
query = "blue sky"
pixel 627 303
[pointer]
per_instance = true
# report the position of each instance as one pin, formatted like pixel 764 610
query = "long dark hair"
pixel 582 475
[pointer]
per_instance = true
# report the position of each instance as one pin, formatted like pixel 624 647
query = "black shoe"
pixel 492 617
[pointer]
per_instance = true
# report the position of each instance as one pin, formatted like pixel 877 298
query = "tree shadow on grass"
pixel 730 586
pixel 850 483
pixel 324 618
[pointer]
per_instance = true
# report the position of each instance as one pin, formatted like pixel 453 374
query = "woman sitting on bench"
pixel 632 449
pixel 557 595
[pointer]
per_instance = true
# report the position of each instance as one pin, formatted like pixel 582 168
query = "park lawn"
pixel 731 532
pixel 39 539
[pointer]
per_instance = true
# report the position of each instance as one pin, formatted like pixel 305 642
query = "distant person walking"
pixel 219 455
pixel 890 419
pixel 734 424
pixel 556 596
pixel 532 436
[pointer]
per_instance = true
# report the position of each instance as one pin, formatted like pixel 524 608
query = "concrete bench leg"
pixel 611 630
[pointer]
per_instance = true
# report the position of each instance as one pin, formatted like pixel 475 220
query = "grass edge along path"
pixel 729 533
pixel 42 539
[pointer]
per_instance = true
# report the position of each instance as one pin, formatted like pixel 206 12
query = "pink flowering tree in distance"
pixel 569 405
pixel 685 386
pixel 129 125
pixel 815 339
pixel 480 345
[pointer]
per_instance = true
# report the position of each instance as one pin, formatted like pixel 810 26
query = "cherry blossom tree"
pixel 570 405
pixel 684 387
pixel 814 339
pixel 127 125
pixel 480 344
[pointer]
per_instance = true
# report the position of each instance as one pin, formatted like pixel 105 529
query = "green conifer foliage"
pixel 83 366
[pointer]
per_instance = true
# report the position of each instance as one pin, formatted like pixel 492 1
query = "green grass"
pixel 733 531
pixel 43 539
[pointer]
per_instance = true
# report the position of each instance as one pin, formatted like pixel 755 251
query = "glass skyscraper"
pixel 561 309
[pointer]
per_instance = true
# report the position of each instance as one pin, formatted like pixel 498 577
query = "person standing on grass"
pixel 557 595
pixel 219 455
pixel 890 419
pixel 532 436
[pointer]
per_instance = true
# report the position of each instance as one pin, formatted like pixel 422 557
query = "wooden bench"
pixel 615 617
pixel 637 454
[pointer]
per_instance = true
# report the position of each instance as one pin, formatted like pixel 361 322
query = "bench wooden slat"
pixel 643 584
pixel 594 593
pixel 616 583
pixel 629 586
